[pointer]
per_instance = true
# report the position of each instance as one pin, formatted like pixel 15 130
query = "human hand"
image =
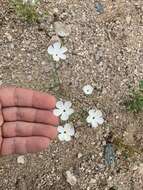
pixel 27 123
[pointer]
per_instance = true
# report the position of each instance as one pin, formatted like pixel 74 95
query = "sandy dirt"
pixel 104 50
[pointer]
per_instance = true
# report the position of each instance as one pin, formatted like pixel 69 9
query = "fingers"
pixel 24 129
pixel 23 145
pixel 30 115
pixel 1 122
pixel 13 96
pixel 1 116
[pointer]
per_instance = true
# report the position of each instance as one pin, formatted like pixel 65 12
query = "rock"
pixel 21 184
pixel 79 155
pixel 12 46
pixel 20 160
pixel 99 7
pixel 55 10
pixel 128 19
pixel 71 179
pixel 109 178
pixel 8 36
pixel 140 169
pixel 92 181
pixel 61 29
pixel 77 135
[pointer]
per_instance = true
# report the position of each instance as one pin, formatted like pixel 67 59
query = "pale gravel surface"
pixel 105 50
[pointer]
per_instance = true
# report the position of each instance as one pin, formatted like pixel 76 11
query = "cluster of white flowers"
pixel 56 50
pixel 63 109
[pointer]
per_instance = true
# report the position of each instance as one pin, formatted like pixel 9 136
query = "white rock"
pixel 8 36
pixel 20 160
pixel 110 178
pixel 92 181
pixel 79 155
pixel 71 179
pixel 128 19
pixel 55 10
pixel 140 169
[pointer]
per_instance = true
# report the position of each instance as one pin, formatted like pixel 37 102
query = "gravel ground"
pixel 106 51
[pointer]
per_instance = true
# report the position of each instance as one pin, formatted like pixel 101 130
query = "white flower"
pixel 63 109
pixel 57 51
pixel 65 132
pixel 95 118
pixel 88 89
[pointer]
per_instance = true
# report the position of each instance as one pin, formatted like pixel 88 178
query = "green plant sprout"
pixel 135 103
pixel 26 11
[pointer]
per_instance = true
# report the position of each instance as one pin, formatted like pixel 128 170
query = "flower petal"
pixel 67 104
pixel 94 124
pixel 60 129
pixel 89 119
pixel 64 116
pixel 69 129
pixel 56 57
pixel 92 112
pixel 67 137
pixel 63 49
pixel 60 105
pixel 57 112
pixel 62 56
pixel 61 137
pixel 70 111
pixel 100 120
pixel 98 113
pixel 51 50
pixel 57 46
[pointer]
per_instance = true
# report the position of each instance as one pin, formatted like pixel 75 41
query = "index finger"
pixel 13 96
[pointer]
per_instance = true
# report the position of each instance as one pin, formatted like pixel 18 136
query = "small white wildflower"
pixel 65 132
pixel 88 89
pixel 57 51
pixel 95 118
pixel 63 110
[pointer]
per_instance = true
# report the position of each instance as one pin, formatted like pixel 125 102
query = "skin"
pixel 27 124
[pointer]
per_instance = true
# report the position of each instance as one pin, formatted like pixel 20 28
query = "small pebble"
pixel 128 19
pixel 92 181
pixel 8 36
pixel 109 178
pixel 99 7
pixel 79 155
pixel 20 160
pixel 71 179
